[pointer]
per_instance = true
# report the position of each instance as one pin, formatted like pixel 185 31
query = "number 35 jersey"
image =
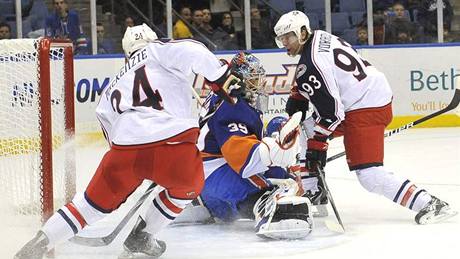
pixel 150 99
pixel 336 79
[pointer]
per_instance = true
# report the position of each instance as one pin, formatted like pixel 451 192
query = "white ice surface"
pixel 375 227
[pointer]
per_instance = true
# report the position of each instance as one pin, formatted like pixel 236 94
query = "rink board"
pixel 423 79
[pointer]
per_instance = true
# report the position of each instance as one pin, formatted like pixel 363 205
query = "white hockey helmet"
pixel 137 37
pixel 291 22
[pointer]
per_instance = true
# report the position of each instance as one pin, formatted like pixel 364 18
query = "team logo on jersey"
pixel 301 69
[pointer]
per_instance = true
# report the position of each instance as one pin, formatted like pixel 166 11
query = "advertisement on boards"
pixel 423 80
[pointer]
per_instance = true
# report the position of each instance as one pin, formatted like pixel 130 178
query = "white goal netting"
pixel 22 115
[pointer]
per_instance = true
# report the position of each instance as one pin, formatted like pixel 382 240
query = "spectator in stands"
pixel 181 30
pixel 129 22
pixel 200 33
pixel 225 36
pixel 398 11
pixel 197 18
pixel 403 36
pixel 399 29
pixel 5 31
pixel 379 24
pixel 448 37
pixel 64 23
pixel 104 45
pixel 207 17
pixel 362 38
pixel 427 16
pixel 262 35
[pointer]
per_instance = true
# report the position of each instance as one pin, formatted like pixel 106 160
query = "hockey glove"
pixel 227 83
pixel 316 152
pixel 282 150
pixel 294 105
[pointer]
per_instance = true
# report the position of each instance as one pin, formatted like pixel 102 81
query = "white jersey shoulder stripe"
pixel 313 58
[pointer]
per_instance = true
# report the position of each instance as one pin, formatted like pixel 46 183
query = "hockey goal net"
pixel 37 171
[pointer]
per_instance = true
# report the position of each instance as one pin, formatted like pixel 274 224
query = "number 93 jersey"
pixel 150 99
pixel 336 79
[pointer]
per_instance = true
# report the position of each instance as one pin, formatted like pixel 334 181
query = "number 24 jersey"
pixel 336 79
pixel 150 99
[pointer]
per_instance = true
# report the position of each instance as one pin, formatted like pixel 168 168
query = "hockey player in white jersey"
pixel 350 98
pixel 145 114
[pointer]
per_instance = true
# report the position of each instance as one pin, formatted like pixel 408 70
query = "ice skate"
pixel 436 210
pixel 35 248
pixel 140 244
pixel 318 200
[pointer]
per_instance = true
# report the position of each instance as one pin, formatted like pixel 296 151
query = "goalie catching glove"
pixel 282 149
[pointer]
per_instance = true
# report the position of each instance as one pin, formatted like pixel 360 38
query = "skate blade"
pixel 431 218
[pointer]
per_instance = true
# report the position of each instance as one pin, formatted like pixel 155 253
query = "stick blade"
pixel 91 241
pixel 455 100
pixel 334 227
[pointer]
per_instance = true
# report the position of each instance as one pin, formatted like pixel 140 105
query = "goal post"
pixel 37 154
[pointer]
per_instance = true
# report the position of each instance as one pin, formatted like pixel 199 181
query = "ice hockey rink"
pixel 375 227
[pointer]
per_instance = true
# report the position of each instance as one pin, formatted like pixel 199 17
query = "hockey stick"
pixel 197 96
pixel 329 224
pixel 104 241
pixel 331 200
pixel 452 105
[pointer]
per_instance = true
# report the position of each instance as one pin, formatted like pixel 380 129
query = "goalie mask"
pixel 248 67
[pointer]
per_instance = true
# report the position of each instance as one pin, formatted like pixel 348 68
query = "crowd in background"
pixel 219 24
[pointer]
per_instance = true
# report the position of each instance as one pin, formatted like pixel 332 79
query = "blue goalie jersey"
pixel 229 139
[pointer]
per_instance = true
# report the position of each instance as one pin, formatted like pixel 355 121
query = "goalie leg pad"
pixel 288 217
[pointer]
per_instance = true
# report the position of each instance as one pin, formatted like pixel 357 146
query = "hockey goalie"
pixel 244 170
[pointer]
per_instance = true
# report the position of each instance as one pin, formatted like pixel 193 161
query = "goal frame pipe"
pixel 46 146
pixel 69 99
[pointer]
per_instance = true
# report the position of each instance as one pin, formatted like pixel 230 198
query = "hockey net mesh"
pixel 21 172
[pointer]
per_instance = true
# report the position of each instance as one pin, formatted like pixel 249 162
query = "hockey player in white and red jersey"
pixel 352 98
pixel 145 114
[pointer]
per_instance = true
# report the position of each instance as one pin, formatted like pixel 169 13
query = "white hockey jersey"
pixel 336 79
pixel 150 99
